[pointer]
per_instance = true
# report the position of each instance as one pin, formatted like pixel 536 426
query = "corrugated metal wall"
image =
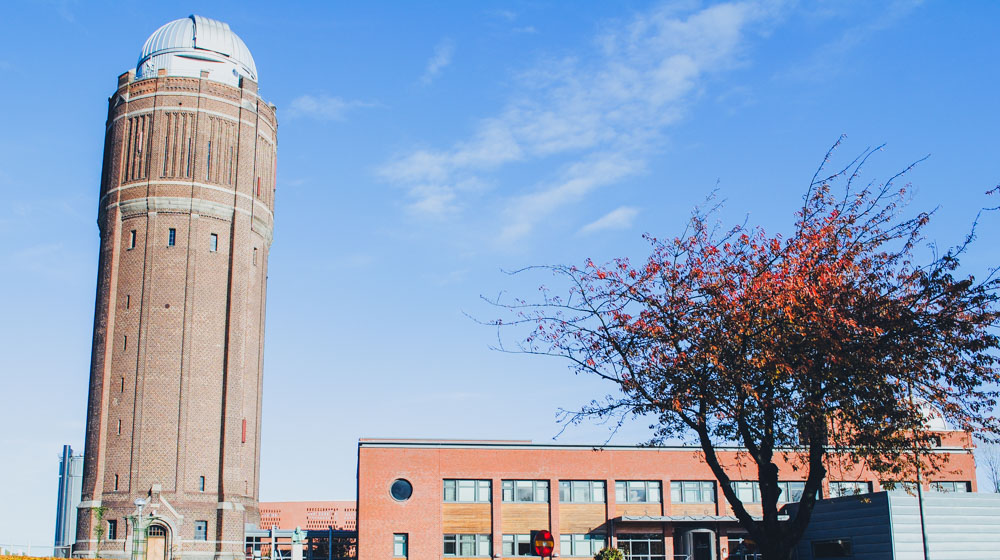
pixel 959 526
pixel 863 519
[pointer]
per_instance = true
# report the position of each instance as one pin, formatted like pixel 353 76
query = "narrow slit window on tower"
pixel 171 237
pixel 123 385
pixel 131 239
pixel 116 483
pixel 128 301
pixel 125 342
pixel 201 484
pixel 255 256
pixel 208 164
pixel 187 171
pixel 213 243
pixel 119 426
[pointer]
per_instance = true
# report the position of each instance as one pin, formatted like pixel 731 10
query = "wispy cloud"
pixel 619 218
pixel 324 107
pixel 834 57
pixel 441 58
pixel 594 119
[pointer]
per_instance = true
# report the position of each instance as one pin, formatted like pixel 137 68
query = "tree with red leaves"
pixel 830 342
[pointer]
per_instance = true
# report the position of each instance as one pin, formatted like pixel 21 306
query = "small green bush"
pixel 609 554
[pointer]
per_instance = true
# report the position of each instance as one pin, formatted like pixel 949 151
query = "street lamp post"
pixel 138 531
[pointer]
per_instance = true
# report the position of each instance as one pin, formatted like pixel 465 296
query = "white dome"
pixel 186 47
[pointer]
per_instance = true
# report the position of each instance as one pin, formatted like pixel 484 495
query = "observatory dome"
pixel 186 47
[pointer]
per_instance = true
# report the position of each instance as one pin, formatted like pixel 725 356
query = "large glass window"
pixel 467 545
pixel 581 491
pixel 849 488
pixel 637 491
pixel 526 491
pixel 692 491
pixel 956 486
pixel 749 492
pixel 469 491
pixel 400 545
pixel 517 545
pixel 587 545
pixel 642 546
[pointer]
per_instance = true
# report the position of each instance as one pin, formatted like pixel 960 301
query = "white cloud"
pixel 594 118
pixel 323 107
pixel 619 218
pixel 441 58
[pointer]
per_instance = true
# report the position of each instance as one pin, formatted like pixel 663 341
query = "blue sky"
pixel 425 149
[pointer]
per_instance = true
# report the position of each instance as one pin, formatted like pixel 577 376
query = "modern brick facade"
pixel 309 516
pixel 185 216
pixel 434 516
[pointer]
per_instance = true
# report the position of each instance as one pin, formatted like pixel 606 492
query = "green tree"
pixel 831 342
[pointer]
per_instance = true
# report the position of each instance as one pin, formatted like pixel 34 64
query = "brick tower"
pixel 185 216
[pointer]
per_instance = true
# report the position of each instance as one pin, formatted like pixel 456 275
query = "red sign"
pixel 543 542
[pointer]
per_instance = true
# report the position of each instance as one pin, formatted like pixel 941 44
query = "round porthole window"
pixel 401 489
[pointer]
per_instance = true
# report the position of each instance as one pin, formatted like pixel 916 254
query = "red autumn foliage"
pixel 830 343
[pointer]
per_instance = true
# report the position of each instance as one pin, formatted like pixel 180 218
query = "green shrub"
pixel 609 554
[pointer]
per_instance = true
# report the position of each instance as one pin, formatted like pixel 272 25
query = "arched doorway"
pixel 157 543
pixel 696 544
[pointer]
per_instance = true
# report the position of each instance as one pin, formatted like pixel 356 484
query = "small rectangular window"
pixel 119 426
pixel 131 239
pixel 517 545
pixel 201 530
pixel 123 385
pixel 128 301
pixel 171 237
pixel 116 483
pixel 213 243
pixel 112 529
pixel 125 342
pixel 201 484
pixel 399 542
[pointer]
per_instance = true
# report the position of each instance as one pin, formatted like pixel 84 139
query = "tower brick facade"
pixel 185 216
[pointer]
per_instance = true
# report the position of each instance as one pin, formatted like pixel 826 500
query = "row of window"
pixel 649 491
pixel 213 240
pixel 471 545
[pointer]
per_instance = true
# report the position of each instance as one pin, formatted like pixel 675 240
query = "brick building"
pixel 185 216
pixel 427 499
